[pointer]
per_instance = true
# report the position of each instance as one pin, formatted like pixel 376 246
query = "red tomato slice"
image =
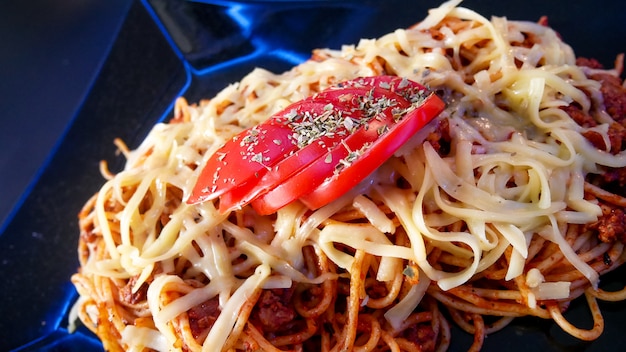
pixel 248 156
pixel 323 168
pixel 347 99
pixel 322 138
pixel 326 143
pixel 375 155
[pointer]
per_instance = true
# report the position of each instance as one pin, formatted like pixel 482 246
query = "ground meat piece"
pixel 89 235
pixel 274 310
pixel 530 39
pixel 614 96
pixel 440 137
pixel 422 335
pixel 610 179
pixel 203 316
pixel 611 225
pixel 586 62
pixel 128 296
pixel 617 138
pixel 595 138
pixel 613 91
pixel 377 290
pixel 617 132
pixel 577 114
pixel 615 176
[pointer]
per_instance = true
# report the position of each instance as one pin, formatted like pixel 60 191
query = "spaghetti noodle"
pixel 509 204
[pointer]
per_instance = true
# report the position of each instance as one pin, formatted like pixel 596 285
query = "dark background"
pixel 50 54
pixel 76 74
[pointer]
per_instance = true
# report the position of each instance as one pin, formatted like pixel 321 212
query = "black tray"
pixel 170 48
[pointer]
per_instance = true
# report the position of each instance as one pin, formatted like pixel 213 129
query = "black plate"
pixel 170 48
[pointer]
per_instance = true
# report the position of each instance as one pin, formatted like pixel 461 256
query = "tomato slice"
pixel 324 168
pixel 342 130
pixel 374 156
pixel 243 160
pixel 316 149
pixel 315 138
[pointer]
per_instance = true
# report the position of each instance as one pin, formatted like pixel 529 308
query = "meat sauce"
pixel 611 225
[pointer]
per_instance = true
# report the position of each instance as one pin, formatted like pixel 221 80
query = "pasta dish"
pixel 508 203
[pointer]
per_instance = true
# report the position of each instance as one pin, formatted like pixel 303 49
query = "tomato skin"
pixel 340 183
pixel 238 161
pixel 245 158
pixel 296 159
pixel 323 168
pixel 293 173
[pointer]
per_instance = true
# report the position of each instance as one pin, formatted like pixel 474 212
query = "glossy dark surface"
pixel 128 61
